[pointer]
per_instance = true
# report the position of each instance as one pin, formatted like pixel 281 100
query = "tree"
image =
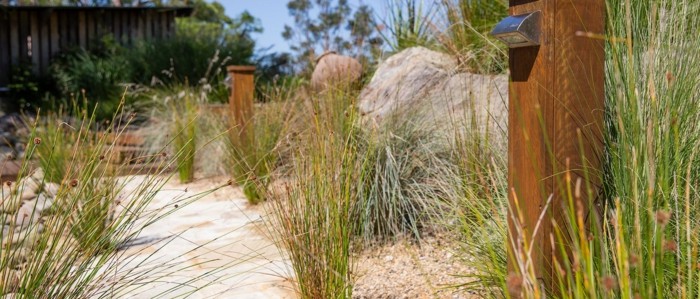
pixel 334 28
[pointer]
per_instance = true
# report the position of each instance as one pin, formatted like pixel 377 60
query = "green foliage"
pixel 197 54
pixel 200 49
pixel 98 77
pixel 458 27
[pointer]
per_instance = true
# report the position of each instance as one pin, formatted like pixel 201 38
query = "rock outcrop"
pixel 419 79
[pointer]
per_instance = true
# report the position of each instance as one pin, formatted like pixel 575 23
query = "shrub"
pixel 26 91
pixel 197 53
pixel 99 78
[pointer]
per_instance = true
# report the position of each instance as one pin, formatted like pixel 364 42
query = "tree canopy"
pixel 330 25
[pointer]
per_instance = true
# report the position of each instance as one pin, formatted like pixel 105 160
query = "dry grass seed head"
pixel 609 283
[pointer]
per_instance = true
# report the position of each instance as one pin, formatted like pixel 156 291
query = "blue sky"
pixel 274 15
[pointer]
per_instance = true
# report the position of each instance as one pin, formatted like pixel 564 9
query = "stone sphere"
pixel 333 70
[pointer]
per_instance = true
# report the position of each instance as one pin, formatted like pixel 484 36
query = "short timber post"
pixel 241 103
pixel 555 126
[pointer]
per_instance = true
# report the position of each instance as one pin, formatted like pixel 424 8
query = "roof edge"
pixel 181 11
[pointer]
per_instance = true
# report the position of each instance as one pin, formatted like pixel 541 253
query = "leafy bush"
pixel 196 54
pixel 98 77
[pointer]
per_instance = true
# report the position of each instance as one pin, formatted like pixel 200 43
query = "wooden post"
pixel 241 103
pixel 555 127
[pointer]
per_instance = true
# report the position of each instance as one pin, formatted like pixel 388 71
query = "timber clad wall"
pixel 31 34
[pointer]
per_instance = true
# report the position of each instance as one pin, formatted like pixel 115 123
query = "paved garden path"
pixel 215 247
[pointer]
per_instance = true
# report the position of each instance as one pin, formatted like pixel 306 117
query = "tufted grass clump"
pixel 252 163
pixel 406 160
pixel 185 113
pixel 312 214
pixel 465 27
pixel 457 27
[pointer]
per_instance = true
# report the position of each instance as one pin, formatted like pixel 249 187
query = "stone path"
pixel 215 248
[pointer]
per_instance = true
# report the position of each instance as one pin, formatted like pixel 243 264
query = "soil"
pixel 408 269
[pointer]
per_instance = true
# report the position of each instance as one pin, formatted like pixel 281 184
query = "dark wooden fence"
pixel 35 34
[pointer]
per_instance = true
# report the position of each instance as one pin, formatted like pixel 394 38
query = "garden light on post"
pixel 555 141
pixel 241 103
pixel 520 31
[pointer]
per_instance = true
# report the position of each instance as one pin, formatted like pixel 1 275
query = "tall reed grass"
pixel 457 27
pixel 252 164
pixel 185 129
pixel 644 243
pixel 312 216
pixel 465 25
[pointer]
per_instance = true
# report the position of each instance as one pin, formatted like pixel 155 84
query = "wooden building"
pixel 35 34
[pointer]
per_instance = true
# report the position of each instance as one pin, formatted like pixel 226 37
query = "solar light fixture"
pixel 519 31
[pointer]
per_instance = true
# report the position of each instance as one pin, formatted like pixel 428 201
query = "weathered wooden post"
pixel 241 103
pixel 555 120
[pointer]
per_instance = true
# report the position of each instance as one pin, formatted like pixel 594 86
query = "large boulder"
pixel 418 79
pixel 334 70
